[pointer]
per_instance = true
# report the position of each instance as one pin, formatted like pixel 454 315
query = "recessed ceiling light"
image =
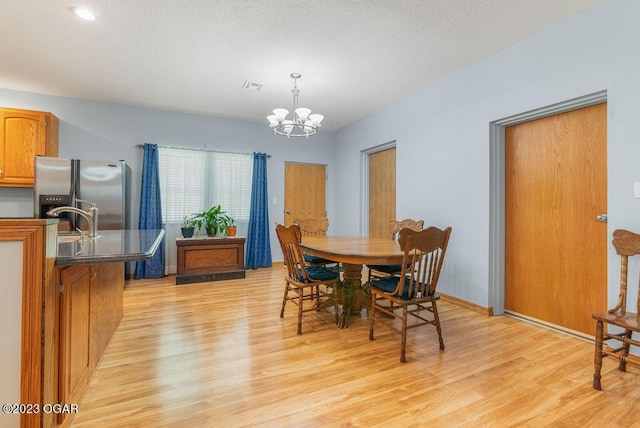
pixel 83 13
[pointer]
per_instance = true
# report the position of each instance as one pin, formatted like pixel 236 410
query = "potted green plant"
pixel 214 220
pixel 189 223
pixel 230 225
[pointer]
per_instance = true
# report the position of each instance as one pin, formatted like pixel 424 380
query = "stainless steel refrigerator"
pixel 61 181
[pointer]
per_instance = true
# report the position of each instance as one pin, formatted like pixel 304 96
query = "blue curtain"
pixel 258 243
pixel 150 212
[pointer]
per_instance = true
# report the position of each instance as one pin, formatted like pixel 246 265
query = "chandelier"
pixel 302 123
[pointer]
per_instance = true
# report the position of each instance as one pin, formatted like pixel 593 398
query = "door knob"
pixel 602 218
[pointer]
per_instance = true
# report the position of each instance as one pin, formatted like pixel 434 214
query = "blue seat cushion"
pixel 315 260
pixel 321 274
pixel 387 268
pixel 388 285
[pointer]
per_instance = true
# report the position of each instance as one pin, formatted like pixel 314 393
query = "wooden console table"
pixel 203 259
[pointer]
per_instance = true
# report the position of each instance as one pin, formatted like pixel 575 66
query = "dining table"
pixel 353 252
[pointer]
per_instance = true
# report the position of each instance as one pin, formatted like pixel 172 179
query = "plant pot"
pixel 231 230
pixel 187 232
pixel 212 231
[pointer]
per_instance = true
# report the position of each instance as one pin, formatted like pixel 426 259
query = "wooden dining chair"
pixel 309 284
pixel 315 227
pixel 414 291
pixel 381 271
pixel 627 244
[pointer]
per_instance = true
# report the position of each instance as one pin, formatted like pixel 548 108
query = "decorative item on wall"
pixel 302 124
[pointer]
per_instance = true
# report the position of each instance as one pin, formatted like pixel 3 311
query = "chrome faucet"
pixel 91 216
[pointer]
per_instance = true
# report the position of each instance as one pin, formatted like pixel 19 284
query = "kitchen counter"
pixel 109 246
pixel 65 304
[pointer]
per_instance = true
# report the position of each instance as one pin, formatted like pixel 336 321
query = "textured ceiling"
pixel 195 55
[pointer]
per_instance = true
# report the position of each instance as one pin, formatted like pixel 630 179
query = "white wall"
pixel 95 130
pixel 442 135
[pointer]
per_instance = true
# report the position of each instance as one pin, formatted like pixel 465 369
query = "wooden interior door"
pixel 382 192
pixel 305 191
pixel 555 187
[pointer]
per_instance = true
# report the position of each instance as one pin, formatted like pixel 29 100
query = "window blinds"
pixel 192 181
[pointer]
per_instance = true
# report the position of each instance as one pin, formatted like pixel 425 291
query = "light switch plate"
pixel 636 190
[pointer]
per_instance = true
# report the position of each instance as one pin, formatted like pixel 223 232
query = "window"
pixel 181 183
pixel 231 184
pixel 194 180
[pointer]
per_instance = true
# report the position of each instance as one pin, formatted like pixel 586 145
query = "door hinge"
pixel 60 288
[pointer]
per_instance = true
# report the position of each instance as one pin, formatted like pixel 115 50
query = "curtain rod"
pixel 200 150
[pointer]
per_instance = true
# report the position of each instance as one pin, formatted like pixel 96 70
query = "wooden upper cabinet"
pixel 23 135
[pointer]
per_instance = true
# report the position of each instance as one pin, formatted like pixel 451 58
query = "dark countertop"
pixel 110 246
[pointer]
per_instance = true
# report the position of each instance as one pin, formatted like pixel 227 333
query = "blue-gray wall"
pixel 96 130
pixel 442 135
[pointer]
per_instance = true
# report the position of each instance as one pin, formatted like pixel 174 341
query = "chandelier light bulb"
pixel 316 119
pixel 273 120
pixel 303 113
pixel 280 113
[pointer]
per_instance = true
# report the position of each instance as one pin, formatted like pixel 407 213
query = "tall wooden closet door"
pixel 382 192
pixel 555 248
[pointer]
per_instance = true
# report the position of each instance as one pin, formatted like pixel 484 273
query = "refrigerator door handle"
pixel 75 170
pixel 73 192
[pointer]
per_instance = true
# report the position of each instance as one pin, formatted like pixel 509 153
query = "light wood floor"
pixel 217 355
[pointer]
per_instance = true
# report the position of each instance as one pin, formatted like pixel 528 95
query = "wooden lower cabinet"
pixel 107 295
pixel 209 259
pixel 90 310
pixel 74 371
pixel 66 321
